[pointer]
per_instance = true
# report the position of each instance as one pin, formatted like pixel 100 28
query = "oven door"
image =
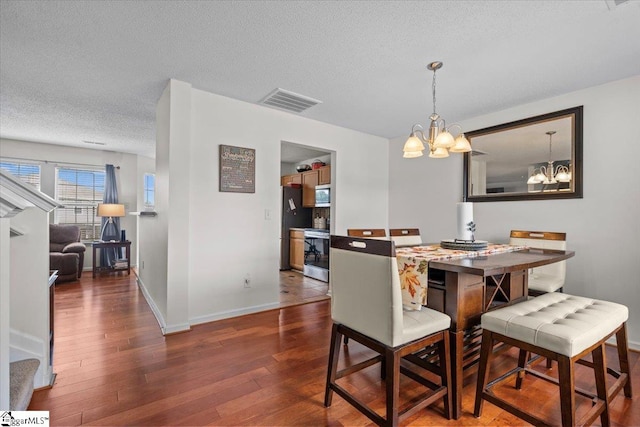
pixel 316 255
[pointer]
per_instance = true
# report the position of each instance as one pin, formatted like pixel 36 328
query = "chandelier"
pixel 439 140
pixel 546 174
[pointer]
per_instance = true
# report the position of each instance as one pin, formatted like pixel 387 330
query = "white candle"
pixel 465 216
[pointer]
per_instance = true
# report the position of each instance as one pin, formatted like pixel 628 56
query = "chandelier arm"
pixel 417 125
pixel 454 125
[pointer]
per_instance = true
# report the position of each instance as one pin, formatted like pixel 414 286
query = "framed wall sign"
pixel 237 169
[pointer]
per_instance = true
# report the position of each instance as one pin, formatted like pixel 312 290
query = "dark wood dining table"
pixel 464 288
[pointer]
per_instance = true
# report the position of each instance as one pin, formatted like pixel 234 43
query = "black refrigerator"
pixel 293 215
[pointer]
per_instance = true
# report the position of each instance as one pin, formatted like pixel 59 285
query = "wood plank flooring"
pixel 114 367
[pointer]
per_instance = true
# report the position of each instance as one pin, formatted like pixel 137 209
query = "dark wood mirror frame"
pixel 575 160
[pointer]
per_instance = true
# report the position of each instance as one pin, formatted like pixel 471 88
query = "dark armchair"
pixel 66 252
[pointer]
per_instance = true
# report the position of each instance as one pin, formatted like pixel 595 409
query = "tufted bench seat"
pixel 564 328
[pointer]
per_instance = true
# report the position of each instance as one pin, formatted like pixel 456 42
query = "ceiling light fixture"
pixel 546 175
pixel 440 140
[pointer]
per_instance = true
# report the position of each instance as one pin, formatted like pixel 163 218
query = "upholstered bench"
pixel 564 328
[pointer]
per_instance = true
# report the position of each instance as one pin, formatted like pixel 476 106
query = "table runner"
pixel 413 267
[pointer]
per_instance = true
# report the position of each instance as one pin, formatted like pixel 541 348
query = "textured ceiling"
pixel 73 71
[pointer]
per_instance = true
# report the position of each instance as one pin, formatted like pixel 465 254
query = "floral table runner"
pixel 413 266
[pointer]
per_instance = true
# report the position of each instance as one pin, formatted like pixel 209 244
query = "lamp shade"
pixel 444 140
pixel 439 153
pixel 413 145
pixel 412 154
pixel 461 145
pixel 110 209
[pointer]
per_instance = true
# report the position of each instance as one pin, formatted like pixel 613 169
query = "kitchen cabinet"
pixel 296 249
pixel 295 178
pixel 309 182
pixel 324 175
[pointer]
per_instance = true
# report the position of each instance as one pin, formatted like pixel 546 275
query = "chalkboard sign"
pixel 237 169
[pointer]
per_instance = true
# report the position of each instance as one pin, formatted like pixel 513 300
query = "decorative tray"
pixel 465 245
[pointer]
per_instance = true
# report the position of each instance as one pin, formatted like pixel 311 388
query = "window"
pixel 80 191
pixel 149 191
pixel 26 172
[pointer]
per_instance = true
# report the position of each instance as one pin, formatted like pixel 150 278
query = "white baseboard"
pixel 152 304
pixel 233 313
pixel 25 346
pixel 633 345
pixel 166 329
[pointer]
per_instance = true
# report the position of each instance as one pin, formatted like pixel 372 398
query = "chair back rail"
pixel 369 233
pixel 405 236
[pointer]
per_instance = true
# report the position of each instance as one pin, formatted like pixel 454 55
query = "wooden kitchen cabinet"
pixel 296 249
pixel 309 182
pixel 295 178
pixel 324 175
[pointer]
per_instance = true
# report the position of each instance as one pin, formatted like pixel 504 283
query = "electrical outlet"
pixel 247 281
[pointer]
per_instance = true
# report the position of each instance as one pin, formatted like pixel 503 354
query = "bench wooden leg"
pixel 599 367
pixel 623 357
pixel 567 391
pixel 486 354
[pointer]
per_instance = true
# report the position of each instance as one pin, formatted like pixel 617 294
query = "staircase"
pixel 21 374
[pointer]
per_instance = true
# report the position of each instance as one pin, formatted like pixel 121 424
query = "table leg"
pixel 94 261
pixel 457 352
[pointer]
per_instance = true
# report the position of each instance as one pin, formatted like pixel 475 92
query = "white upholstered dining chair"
pixel 548 278
pixel 405 236
pixel 366 306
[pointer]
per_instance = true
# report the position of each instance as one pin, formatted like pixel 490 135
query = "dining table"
pixel 464 285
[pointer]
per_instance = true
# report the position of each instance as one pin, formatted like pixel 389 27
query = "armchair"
pixel 66 252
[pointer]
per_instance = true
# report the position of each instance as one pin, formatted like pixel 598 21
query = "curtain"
pixel 112 230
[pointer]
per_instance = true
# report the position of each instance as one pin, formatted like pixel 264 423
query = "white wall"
pixel 49 154
pixel 29 291
pixel 602 228
pixel 228 235
pixel 152 235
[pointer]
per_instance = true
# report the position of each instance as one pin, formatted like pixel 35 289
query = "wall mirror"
pixel 531 159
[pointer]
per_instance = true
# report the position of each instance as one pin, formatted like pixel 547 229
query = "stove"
pixel 316 254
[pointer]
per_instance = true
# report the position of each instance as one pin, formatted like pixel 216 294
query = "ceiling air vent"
pixel 289 101
pixel 475 152
pixel 94 143
pixel 612 4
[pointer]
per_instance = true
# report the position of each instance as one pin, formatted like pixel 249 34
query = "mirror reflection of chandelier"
pixel 546 174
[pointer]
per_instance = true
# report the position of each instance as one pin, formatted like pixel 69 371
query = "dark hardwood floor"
pixel 114 367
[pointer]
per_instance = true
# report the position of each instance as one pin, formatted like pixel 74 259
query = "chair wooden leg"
pixel 523 357
pixel 599 367
pixel 392 386
pixel 334 352
pixel 486 354
pixel 623 357
pixel 566 381
pixel 445 373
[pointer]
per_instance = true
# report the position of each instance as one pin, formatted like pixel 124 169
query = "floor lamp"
pixel 110 210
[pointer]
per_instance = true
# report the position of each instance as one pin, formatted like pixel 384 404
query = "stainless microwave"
pixel 323 196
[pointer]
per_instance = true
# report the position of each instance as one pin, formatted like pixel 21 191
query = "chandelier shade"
pixel 439 139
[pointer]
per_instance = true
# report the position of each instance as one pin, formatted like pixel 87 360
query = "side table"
pixel 111 244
